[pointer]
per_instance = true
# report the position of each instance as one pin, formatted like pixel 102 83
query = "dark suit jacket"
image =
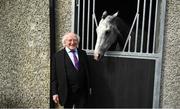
pixel 59 77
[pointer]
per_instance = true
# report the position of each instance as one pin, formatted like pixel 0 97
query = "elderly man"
pixel 70 78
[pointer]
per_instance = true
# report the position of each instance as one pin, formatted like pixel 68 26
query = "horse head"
pixel 107 34
pixel 112 34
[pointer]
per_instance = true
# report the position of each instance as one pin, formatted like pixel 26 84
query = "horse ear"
pixel 116 14
pixel 104 15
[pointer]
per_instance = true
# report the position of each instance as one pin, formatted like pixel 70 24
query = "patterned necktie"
pixel 76 61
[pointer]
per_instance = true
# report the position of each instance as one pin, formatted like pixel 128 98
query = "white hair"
pixel 67 34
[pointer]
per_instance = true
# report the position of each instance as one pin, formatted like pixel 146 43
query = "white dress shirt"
pixel 71 54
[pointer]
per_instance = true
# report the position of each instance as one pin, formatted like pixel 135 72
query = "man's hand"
pixel 56 98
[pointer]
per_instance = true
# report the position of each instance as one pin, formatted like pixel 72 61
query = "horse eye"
pixel 107 32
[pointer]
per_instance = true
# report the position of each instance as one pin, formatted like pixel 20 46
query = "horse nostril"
pixel 97 56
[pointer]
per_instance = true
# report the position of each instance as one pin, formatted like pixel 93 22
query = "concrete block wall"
pixel 63 10
pixel 24 53
pixel 170 84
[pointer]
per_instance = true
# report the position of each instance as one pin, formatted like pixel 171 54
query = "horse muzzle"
pixel 97 56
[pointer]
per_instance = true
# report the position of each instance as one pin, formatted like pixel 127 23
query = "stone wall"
pixel 63 10
pixel 24 53
pixel 170 90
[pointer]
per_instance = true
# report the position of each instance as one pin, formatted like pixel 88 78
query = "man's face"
pixel 71 41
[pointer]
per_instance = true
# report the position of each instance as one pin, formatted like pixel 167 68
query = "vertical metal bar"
pixel 156 94
pixel 149 26
pixel 88 19
pixel 78 4
pixel 162 23
pixel 157 79
pixel 143 23
pixel 92 44
pixel 137 25
pixel 83 20
pixel 155 25
pixel 92 33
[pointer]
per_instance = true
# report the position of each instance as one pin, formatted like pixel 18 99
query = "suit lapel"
pixel 80 58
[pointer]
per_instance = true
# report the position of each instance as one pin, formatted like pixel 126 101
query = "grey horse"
pixel 112 33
